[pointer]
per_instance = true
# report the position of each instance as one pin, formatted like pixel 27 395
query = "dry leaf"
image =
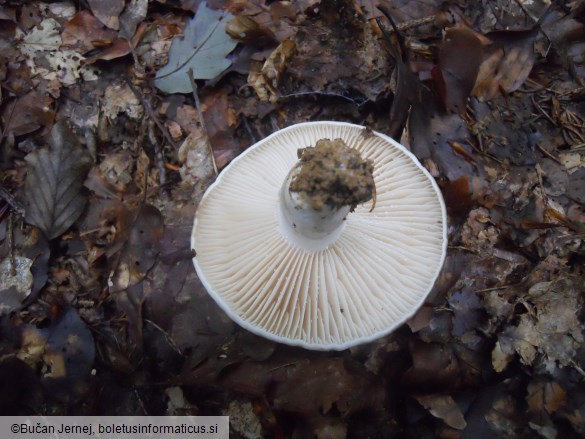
pixel 108 11
pixel 54 181
pixel 443 407
pixel 203 49
pixel 508 60
pixel 84 32
pixel 265 81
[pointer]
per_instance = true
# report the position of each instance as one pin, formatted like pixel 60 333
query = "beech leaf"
pixel 54 180
pixel 203 48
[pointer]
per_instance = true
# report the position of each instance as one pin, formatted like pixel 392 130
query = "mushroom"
pixel 312 259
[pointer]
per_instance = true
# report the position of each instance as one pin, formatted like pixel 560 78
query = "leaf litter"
pixel 112 301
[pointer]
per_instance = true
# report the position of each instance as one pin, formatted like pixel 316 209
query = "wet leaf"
pixel 53 190
pixel 203 48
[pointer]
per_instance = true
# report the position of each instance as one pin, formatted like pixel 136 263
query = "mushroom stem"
pixel 328 182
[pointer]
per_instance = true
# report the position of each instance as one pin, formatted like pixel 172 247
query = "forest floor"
pixel 102 166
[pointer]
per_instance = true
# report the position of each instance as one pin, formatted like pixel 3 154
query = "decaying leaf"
pixel 84 32
pixel 198 169
pixel 41 47
pixel 508 60
pixel 53 187
pixel 119 98
pixel 265 81
pixel 203 49
pixel 551 331
pixel 108 11
pixel 28 113
pixel 443 407
pixel 15 274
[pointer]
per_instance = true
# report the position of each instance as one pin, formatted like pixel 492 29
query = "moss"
pixel 333 174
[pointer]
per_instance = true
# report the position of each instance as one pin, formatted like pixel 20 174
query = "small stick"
pixel 201 119
pixel 148 109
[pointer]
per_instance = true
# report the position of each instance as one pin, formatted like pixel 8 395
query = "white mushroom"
pixel 310 273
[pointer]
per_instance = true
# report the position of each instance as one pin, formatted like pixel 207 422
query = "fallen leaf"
pixel 54 181
pixel 68 356
pixel 15 274
pixel 108 11
pixel 84 32
pixel 198 168
pixel 552 332
pixel 266 80
pixel 460 55
pixel 443 407
pixel 203 49
pixel 338 52
pixel 468 311
pixel 545 396
pixel 244 28
pixel 28 113
pixel 134 13
pixel 119 98
pixel 508 60
pixel 41 48
pixel 432 134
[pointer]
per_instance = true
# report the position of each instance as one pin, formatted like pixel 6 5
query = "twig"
pixel 7 196
pixel 323 93
pixel 541 184
pixel 201 119
pixel 3 133
pixel 548 154
pixel 545 114
pixel 148 109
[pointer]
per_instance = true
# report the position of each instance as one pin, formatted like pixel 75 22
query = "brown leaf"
pixel 28 113
pixel 460 55
pixel 507 62
pixel 458 196
pixel 443 407
pixel 545 396
pixel 119 47
pixel 84 32
pixel 108 11
pixel 265 81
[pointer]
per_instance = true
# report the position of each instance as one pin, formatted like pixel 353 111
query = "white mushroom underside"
pixel 368 282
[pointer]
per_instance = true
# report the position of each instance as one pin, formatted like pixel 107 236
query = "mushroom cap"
pixel 364 285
